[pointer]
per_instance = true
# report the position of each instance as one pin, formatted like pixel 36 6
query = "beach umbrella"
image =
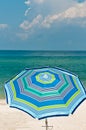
pixel 45 92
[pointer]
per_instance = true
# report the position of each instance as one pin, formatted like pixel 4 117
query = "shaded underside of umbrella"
pixel 45 92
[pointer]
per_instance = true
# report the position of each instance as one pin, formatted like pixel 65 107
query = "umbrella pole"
pixel 46 124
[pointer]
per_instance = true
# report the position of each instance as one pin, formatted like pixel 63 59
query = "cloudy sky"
pixel 43 25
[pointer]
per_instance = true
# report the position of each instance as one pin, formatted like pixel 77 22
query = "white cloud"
pixel 3 26
pixel 39 1
pixel 74 12
pixel 77 11
pixel 26 25
pixel 28 2
pixel 27 11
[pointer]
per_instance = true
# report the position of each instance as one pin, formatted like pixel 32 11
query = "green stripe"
pixel 45 82
pixel 44 94
pixel 21 100
pixel 45 107
pixel 60 90
pixel 20 74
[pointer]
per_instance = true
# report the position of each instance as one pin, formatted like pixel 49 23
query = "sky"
pixel 43 25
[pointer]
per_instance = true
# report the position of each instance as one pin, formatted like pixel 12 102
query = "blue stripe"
pixel 6 95
pixel 43 113
pixel 78 104
pixel 53 67
pixel 45 103
pixel 74 90
pixel 34 81
pixel 53 116
pixel 47 112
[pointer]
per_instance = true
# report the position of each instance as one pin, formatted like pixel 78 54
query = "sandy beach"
pixel 14 119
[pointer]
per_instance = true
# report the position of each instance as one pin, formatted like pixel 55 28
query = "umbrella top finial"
pixel 45 76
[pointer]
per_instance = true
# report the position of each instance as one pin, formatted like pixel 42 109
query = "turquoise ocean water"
pixel 13 62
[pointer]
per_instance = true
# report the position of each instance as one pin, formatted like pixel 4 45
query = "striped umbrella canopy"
pixel 45 92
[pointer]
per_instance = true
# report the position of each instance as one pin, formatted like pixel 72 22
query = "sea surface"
pixel 13 62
